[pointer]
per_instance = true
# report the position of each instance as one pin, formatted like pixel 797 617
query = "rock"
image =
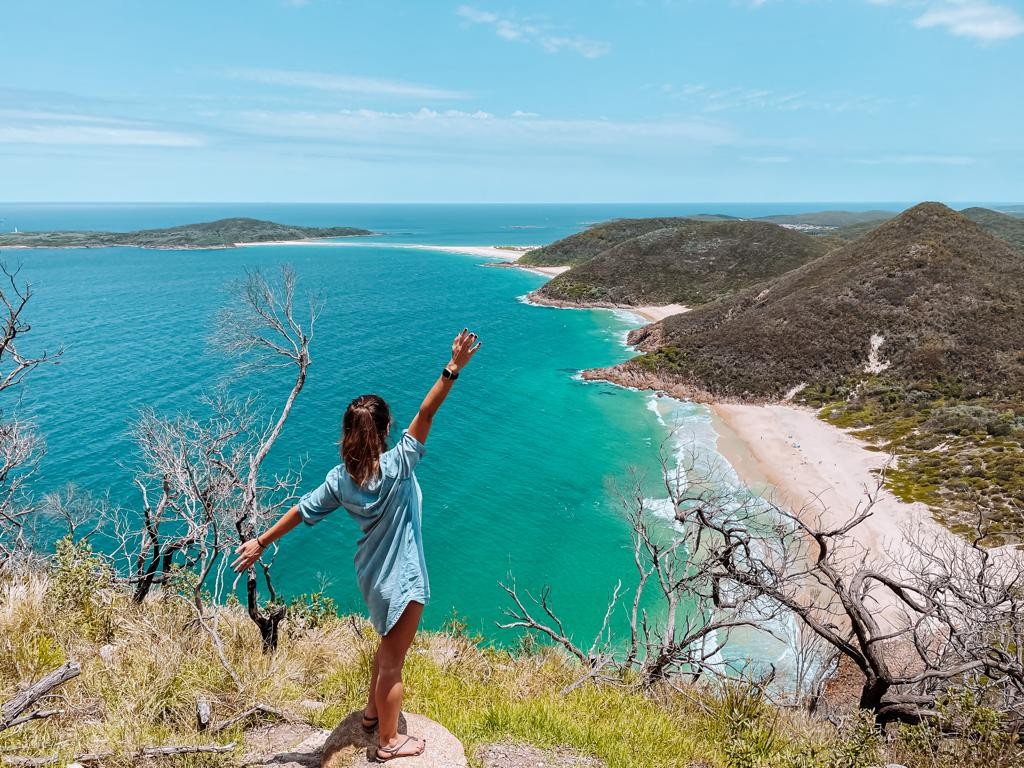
pixel 284 745
pixel 108 653
pixel 525 756
pixel 349 746
pixel 203 713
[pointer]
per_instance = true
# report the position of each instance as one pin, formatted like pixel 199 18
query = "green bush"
pixel 78 578
pixel 306 612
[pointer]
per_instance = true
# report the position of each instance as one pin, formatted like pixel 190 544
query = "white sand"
pixel 816 469
pixel 504 252
pixel 656 312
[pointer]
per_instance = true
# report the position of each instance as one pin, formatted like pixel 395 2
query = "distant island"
pixel 223 233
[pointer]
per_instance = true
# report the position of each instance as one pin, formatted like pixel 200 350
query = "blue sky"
pixel 568 101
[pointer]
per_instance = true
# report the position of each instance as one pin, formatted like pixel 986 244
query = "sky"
pixel 512 100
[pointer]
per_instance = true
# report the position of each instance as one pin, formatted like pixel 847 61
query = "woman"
pixel 378 488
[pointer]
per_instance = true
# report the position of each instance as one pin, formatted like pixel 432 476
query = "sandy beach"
pixel 652 313
pixel 811 466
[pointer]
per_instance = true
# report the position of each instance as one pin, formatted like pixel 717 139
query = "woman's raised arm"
pixel 463 349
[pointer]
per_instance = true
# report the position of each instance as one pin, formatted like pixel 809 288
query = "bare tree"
pixel 948 616
pixel 203 484
pixel 683 633
pixel 21 446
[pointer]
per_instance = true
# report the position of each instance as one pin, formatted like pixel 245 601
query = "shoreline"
pixel 652 313
pixel 815 469
pixel 807 466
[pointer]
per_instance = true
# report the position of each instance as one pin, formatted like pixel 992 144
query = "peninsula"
pixel 909 335
pixel 223 233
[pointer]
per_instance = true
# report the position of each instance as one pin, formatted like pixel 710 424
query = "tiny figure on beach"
pixel 377 486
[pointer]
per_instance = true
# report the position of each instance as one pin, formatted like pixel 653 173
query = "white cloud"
pixel 979 20
pixel 21 126
pixel 956 160
pixel 94 135
pixel 740 98
pixel 515 30
pixel 462 131
pixel 975 19
pixel 324 81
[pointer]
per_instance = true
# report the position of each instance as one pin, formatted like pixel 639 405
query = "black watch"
pixel 449 374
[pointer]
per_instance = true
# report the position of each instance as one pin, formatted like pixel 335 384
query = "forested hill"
pixel 946 297
pixel 687 261
pixel 913 333
pixel 1002 225
pixel 587 244
pixel 223 233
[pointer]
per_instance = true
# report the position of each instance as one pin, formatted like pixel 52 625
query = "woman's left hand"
pixel 248 554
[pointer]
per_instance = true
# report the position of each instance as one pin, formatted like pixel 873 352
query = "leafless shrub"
pixel 21 446
pixel 202 482
pixel 682 635
pixel 945 616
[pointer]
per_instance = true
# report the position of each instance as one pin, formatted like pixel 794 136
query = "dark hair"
pixel 364 436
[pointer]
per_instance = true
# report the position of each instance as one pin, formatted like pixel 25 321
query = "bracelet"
pixel 259 543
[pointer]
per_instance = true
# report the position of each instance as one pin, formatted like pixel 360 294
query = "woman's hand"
pixel 463 349
pixel 248 554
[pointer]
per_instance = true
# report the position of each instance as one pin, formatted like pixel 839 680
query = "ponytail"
pixel 364 437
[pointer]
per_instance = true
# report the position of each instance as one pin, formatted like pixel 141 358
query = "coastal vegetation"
pixel 911 334
pixel 123 641
pixel 690 263
pixel 223 233
pixel 144 668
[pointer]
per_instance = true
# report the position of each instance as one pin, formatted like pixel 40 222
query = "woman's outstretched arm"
pixel 249 552
pixel 463 349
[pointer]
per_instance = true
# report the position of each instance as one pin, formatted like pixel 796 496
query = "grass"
pixel 143 667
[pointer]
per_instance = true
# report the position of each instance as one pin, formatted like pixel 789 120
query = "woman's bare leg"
pixel 370 713
pixel 390 659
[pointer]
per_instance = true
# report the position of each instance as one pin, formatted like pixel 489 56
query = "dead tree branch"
pixel 9 713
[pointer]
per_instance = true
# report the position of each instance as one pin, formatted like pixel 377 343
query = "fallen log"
pixel 9 713
pixel 185 750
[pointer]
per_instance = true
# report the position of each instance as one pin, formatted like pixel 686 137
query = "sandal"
pixel 369 723
pixel 392 753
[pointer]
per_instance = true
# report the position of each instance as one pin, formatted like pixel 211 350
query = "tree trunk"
pixel 267 623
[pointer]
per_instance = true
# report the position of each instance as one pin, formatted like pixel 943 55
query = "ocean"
pixel 525 464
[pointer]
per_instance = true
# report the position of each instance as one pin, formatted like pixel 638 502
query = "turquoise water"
pixel 523 459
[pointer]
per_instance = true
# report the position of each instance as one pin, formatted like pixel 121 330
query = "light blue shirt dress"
pixel 390 567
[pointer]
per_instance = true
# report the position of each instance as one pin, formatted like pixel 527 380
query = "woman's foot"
pixel 369 722
pixel 400 746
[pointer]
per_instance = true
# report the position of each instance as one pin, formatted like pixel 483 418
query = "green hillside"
pixel 1002 225
pixel 223 233
pixel 587 244
pixel 941 303
pixel 691 262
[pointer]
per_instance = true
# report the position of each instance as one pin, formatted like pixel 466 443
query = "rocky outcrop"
pixel 632 376
pixel 349 746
